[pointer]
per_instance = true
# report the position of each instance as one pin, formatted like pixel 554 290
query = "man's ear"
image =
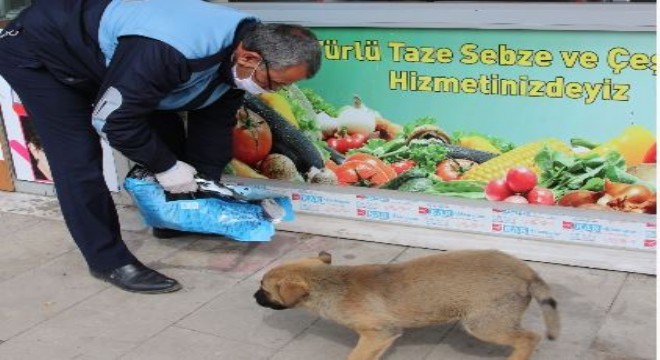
pixel 292 291
pixel 326 257
pixel 247 58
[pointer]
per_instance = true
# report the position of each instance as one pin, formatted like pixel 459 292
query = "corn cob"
pixel 521 156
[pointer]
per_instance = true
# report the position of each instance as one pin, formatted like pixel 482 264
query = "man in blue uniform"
pixel 122 70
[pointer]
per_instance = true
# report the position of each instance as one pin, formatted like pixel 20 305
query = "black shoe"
pixel 163 233
pixel 138 278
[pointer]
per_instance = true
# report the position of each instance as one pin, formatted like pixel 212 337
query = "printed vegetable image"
pixel 252 138
pixel 403 166
pixel 540 195
pixel 497 190
pixel 343 143
pixel 296 135
pixel 278 166
pixel 357 118
pixel 519 186
pixel 362 173
pixel 280 104
pixel 520 156
pixel 453 169
pixel 633 144
pixel 287 139
pixel 651 155
pixel 634 198
pixel 520 179
pixel 478 143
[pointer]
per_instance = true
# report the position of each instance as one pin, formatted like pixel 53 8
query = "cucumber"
pixel 398 181
pixel 287 136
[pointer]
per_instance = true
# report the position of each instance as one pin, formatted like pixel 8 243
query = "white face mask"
pixel 248 83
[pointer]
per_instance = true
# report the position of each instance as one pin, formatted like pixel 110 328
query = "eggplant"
pixel 286 137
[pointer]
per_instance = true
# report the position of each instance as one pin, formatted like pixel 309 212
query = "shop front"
pixel 524 127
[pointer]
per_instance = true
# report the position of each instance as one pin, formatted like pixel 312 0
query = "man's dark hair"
pixel 284 45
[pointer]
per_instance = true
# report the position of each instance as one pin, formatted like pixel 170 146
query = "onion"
pixel 579 197
pixel 594 207
pixel 327 124
pixel 357 118
pixel 605 199
pixel 614 188
pixel 635 193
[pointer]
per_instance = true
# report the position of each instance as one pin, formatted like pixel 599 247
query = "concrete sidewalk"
pixel 50 308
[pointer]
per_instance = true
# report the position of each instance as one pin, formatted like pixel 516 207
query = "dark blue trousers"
pixel 62 117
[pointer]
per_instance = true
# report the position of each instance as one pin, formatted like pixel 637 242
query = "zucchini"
pixel 460 152
pixel 416 185
pixel 335 155
pixel 287 136
pixel 397 182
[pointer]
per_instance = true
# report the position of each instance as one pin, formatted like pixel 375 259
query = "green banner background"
pixel 517 118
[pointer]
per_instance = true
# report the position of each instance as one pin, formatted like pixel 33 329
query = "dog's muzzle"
pixel 263 300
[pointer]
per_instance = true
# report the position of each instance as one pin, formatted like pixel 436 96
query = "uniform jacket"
pixel 134 57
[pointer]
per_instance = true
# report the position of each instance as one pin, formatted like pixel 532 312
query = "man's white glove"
pixel 180 178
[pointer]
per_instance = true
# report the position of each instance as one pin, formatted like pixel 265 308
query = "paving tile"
pixel 38 284
pixel 151 250
pixel 323 340
pixel 130 219
pixel 113 321
pixel 327 340
pixel 584 297
pixel 32 244
pixel 10 223
pixel 235 315
pixel 599 355
pixel 343 251
pixel 459 345
pixel 232 258
pixel 630 326
pixel 413 253
pixel 28 204
pixel 176 343
pixel 44 292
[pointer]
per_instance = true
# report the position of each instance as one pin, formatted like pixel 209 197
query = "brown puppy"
pixel 487 291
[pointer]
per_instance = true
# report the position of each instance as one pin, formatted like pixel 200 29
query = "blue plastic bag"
pixel 239 220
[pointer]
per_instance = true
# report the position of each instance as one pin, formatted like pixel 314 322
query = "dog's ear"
pixel 292 291
pixel 325 257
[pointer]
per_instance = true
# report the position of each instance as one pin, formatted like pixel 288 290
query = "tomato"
pixel 402 166
pixel 347 142
pixel 516 199
pixel 452 169
pixel 541 195
pixel 360 173
pixel 520 179
pixel 252 138
pixel 387 169
pixel 497 190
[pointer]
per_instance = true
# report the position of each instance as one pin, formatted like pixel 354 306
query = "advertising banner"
pixel 561 118
pixel 28 157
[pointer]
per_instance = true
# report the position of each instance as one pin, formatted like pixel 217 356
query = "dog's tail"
pixel 541 292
